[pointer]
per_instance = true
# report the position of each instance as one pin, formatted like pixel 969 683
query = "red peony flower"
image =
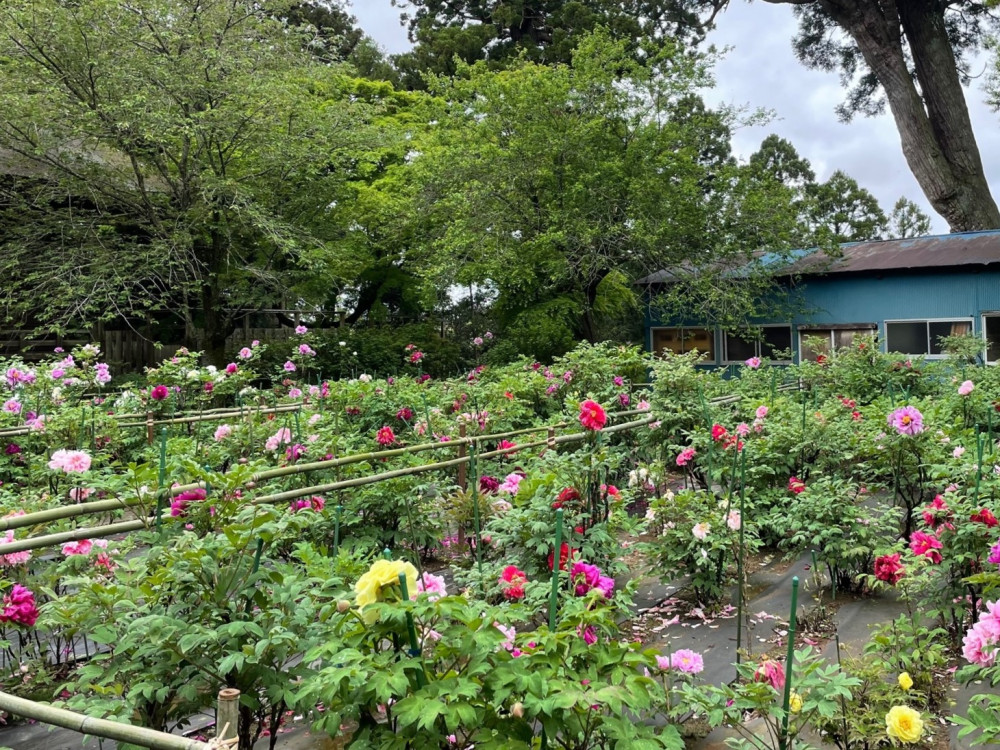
pixel 796 485
pixel 984 516
pixel 592 415
pixel 385 436
pixel 718 432
pixel 568 495
pixel 565 553
pixel 889 569
pixel 512 581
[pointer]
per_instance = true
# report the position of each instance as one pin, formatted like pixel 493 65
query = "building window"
pixel 740 347
pixel 816 341
pixel 684 340
pixel 991 330
pixel 922 336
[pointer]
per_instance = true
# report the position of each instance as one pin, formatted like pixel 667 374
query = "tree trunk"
pixel 935 131
pixel 216 327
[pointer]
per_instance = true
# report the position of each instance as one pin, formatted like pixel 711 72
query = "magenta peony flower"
pixel 19 606
pixel 512 581
pixel 159 392
pixel 592 415
pixel 922 543
pixel 385 436
pixel 889 569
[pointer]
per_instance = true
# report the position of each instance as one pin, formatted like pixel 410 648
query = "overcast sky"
pixel 761 71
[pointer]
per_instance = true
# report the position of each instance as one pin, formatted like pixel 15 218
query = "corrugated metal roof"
pixel 935 251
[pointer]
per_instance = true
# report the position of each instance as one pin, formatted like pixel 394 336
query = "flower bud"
pixel 517 710
pixel 343 605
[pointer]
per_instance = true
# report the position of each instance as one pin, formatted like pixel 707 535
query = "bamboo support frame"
pixel 49 540
pixel 104 728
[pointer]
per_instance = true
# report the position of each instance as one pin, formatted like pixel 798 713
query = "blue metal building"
pixel 908 293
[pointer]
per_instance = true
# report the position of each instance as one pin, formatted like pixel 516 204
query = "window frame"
pixel 926 321
pixel 713 355
pixel 832 328
pixel 982 330
pixel 757 346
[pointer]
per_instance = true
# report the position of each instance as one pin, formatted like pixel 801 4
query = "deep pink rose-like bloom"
pixel 889 569
pixel 907 421
pixel 512 581
pixel 771 672
pixel 19 606
pixel 796 485
pixel 994 554
pixel 159 392
pixel 685 456
pixel 592 415
pixel 488 483
pixel 179 505
pixel 385 436
pixel 922 543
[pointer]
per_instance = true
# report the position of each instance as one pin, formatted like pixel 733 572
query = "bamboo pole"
pixel 227 716
pixel 94 727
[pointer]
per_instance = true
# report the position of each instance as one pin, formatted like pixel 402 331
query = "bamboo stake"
pixel 89 725
pixel 228 713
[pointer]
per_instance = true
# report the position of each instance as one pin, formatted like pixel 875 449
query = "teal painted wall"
pixel 875 299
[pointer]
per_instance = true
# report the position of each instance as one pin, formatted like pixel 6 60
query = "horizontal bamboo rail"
pixel 63 537
pixel 89 725
pixel 102 506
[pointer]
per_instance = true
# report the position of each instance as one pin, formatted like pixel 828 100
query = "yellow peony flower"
pixel 903 724
pixel 905 681
pixel 383 573
pixel 795 703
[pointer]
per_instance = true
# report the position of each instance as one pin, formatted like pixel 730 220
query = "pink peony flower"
pixel 432 585
pixel 282 436
pixel 685 660
pixel 245 353
pixel 14 558
pixel 71 462
pixel 12 406
pixel 511 483
pixel 907 421
pixel 232 368
pixel 796 485
pixel 685 456
pixel 700 530
pixel 734 520
pixel 771 672
pixel 994 556
pixel 81 547
pixel 385 436
pixel 753 363
pixel 222 432
pixel 966 388
pixel 289 366
pixel 301 330
pixel 179 505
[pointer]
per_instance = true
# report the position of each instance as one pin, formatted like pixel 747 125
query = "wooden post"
pixel 149 427
pixel 551 438
pixel 463 481
pixel 228 714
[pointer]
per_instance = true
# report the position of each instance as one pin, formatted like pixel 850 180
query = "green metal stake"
pixel 411 630
pixel 475 510
pixel 557 553
pixel 336 530
pixel 979 461
pixel 789 664
pixel 162 479
pixel 739 562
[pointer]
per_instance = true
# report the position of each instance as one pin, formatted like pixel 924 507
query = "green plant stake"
pixel 556 554
pixel 843 701
pixel 475 510
pixel 336 530
pixel 774 375
pixel 162 479
pixel 789 664
pixel 739 560
pixel 411 630
pixel 298 428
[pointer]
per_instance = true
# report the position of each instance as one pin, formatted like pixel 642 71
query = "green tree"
pixel 559 185
pixel 179 157
pixel 842 211
pixel 913 56
pixel 907 220
pixel 545 31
